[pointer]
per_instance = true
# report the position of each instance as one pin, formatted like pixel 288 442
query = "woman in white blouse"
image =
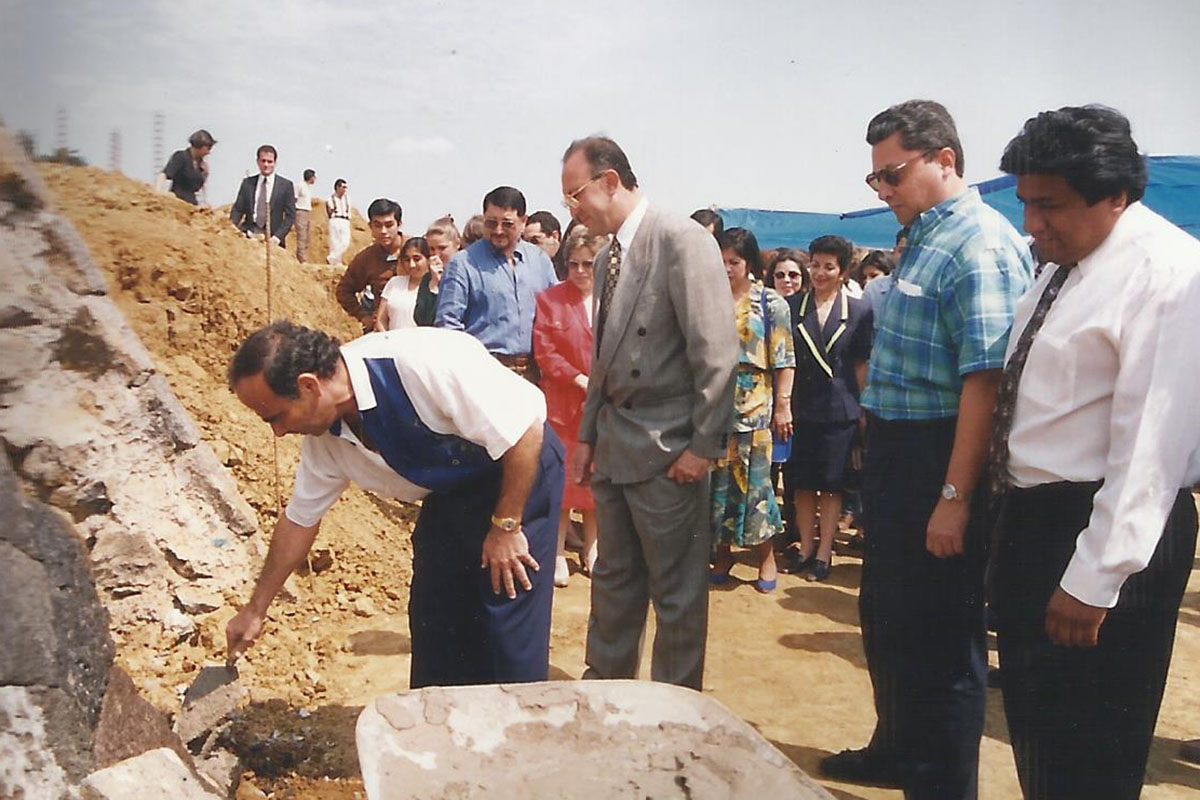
pixel 401 293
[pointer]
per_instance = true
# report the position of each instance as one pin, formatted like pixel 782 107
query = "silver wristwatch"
pixel 950 492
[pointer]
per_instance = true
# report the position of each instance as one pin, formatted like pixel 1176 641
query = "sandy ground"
pixel 791 663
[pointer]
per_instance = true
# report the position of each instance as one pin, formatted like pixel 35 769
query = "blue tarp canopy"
pixel 1173 191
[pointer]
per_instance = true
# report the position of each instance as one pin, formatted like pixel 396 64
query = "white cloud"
pixel 413 145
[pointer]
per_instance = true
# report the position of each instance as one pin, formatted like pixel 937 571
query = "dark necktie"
pixel 610 285
pixel 260 206
pixel 1006 394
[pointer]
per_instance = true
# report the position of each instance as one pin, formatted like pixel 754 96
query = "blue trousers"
pixel 922 616
pixel 463 633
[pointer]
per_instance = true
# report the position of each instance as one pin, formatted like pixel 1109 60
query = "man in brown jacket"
pixel 359 289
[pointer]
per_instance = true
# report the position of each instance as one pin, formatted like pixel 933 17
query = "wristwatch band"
pixel 508 524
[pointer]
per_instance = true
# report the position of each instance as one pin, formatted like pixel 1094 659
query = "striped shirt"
pixel 949 311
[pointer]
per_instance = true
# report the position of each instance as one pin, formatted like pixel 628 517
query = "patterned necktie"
pixel 610 285
pixel 260 207
pixel 1006 394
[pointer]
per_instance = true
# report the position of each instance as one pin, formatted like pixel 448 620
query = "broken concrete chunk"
pixel 160 772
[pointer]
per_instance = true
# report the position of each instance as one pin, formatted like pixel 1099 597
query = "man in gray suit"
pixel 659 407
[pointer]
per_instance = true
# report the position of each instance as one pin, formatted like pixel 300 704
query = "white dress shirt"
pixel 456 388
pixel 629 227
pixel 1109 391
pixel 270 181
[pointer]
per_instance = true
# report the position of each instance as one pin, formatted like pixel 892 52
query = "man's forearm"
pixel 519 465
pixel 973 431
pixel 290 544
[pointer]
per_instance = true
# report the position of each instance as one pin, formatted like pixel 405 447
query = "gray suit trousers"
pixel 654 540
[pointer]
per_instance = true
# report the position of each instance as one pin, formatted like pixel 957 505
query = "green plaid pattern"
pixel 949 311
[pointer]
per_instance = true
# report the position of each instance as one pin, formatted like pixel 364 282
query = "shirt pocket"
pixel 1049 378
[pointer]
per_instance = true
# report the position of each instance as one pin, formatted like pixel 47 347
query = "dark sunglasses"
pixel 781 275
pixel 892 175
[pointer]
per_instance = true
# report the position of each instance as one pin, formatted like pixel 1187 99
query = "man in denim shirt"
pixel 488 290
pixel 939 350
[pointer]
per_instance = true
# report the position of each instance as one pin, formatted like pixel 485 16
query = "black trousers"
pixel 922 616
pixel 1081 719
pixel 463 633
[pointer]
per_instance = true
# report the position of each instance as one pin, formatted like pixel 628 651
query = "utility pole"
pixel 114 150
pixel 60 129
pixel 159 121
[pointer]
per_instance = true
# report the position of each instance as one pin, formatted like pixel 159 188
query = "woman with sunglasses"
pixel 789 272
pixel 744 510
pixel 832 333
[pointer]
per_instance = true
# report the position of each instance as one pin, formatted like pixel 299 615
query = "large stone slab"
pixel 584 739
pixel 155 773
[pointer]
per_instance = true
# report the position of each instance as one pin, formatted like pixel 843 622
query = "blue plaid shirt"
pixel 949 311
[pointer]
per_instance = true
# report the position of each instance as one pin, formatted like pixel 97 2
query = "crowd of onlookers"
pixel 1050 449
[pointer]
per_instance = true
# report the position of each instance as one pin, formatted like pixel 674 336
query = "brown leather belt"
pixel 522 364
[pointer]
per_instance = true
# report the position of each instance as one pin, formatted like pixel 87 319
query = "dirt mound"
pixel 192 288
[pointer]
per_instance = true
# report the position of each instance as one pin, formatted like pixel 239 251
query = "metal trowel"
pixel 209 680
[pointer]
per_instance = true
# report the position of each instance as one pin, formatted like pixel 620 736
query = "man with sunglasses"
pixel 939 348
pixel 488 289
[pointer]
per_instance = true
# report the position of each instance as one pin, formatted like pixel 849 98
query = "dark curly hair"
pixel 923 125
pixel 1092 147
pixel 283 351
pixel 839 247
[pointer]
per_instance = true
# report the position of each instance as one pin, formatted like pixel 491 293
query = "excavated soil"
pixel 790 663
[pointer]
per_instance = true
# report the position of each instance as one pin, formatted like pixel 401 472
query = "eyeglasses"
pixel 892 175
pixel 572 200
pixel 789 275
pixel 492 224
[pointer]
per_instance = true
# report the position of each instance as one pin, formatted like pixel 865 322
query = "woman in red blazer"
pixel 562 345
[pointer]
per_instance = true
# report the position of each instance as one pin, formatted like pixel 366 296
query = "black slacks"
pixel 1081 719
pixel 922 616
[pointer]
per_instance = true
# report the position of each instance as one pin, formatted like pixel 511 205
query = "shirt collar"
pixel 518 253
pixel 360 379
pixel 1126 227
pixel 929 218
pixel 629 227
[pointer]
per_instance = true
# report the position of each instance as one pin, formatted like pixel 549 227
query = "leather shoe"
pixel 863 766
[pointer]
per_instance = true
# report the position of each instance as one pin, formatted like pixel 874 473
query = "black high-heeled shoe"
pixel 793 563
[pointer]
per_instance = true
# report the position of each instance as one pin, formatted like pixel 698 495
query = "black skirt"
pixel 820 451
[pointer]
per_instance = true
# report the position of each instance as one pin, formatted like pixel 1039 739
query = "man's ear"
pixel 307 383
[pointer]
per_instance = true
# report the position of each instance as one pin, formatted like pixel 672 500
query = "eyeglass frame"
pixel 507 224
pixel 791 276
pixel 893 175
pixel 571 201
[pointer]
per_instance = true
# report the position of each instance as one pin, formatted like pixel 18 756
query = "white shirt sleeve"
pixel 1153 432
pixel 458 388
pixel 319 483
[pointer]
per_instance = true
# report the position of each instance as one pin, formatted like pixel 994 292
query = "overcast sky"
pixel 749 103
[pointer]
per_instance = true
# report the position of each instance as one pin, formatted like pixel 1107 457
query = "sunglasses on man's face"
pixel 892 175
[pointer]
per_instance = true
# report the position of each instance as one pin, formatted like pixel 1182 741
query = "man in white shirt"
pixel 419 414
pixel 303 210
pixel 1095 428
pixel 338 209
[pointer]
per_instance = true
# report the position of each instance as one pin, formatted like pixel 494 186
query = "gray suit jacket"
pixel 662 376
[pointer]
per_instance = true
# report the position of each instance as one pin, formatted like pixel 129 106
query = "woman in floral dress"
pixel 744 510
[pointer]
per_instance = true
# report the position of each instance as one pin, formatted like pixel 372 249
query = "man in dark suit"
pixel 249 212
pixel 659 407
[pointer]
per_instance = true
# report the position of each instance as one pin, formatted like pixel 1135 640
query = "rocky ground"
pixel 191 287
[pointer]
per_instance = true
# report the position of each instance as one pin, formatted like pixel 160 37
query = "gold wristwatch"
pixel 506 524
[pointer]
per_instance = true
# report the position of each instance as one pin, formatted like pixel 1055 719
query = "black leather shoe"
pixel 863 766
